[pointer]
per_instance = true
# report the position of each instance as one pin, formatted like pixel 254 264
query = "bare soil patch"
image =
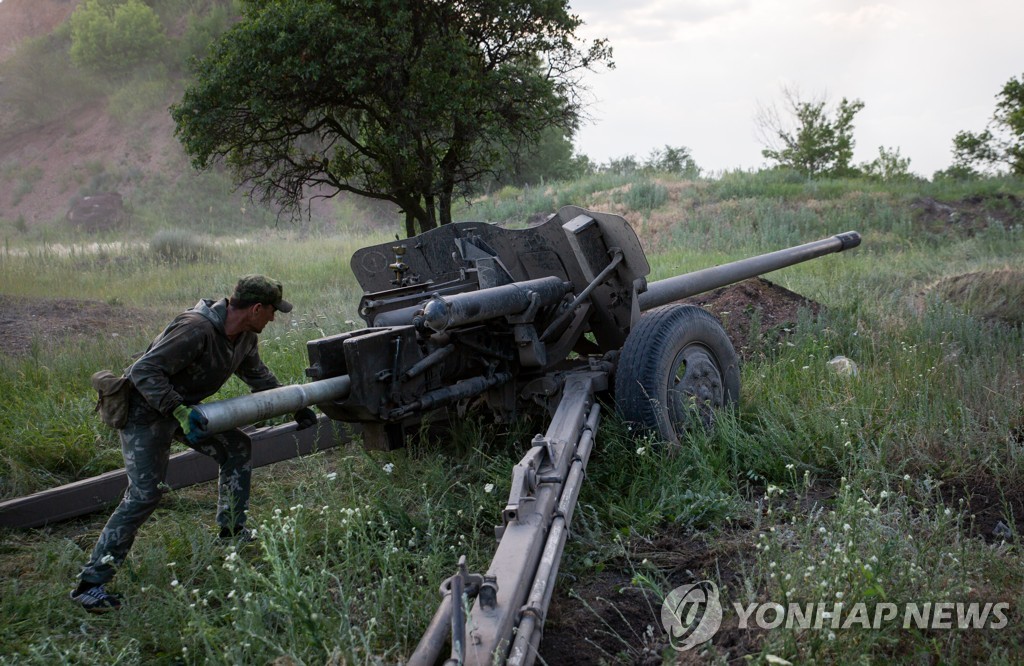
pixel 28 322
pixel 996 513
pixel 607 618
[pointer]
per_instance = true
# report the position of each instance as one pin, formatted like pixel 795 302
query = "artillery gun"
pixel 550 317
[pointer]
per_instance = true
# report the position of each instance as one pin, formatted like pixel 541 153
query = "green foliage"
pixel 133 100
pixel 549 159
pixel 177 246
pixel 1001 144
pixel 202 29
pixel 674 160
pixel 643 195
pixel 411 101
pixel 813 141
pixel 40 85
pixel 26 179
pixel 669 160
pixel 114 36
pixel 888 166
pixel 622 166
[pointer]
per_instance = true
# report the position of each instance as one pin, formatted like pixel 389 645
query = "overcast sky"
pixel 693 72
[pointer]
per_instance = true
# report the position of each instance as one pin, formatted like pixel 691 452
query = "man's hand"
pixel 193 424
pixel 305 418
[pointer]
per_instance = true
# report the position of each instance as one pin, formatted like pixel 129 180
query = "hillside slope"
pixel 67 133
pixel 21 19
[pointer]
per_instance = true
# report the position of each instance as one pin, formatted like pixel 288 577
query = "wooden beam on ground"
pixel 269 445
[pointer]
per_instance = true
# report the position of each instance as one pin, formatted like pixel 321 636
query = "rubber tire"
pixel 650 390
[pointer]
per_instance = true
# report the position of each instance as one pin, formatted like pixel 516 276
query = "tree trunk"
pixel 430 218
pixel 445 204
pixel 410 224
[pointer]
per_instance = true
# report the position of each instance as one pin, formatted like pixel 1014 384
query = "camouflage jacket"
pixel 192 358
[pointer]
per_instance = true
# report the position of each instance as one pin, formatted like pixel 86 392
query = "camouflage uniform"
pixel 188 362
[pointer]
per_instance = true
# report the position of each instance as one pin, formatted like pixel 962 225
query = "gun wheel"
pixel 677 369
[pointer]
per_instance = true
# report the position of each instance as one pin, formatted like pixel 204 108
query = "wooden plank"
pixel 270 445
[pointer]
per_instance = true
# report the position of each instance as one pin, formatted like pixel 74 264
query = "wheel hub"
pixel 696 389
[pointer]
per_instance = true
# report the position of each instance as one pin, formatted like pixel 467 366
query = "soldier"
pixel 188 362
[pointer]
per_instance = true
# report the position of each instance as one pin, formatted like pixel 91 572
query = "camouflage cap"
pixel 253 289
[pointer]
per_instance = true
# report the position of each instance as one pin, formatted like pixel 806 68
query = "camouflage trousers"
pixel 145 445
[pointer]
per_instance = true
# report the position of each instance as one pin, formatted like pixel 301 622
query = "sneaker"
pixel 96 600
pixel 239 534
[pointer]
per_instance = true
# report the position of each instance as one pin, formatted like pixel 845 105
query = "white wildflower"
pixel 779 661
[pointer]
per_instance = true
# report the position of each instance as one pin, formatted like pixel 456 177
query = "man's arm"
pixel 254 372
pixel 259 377
pixel 181 344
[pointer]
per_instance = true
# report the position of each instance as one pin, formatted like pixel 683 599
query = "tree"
pixel 115 35
pixel 409 101
pixel 1001 144
pixel 550 158
pixel 889 166
pixel 813 141
pixel 677 160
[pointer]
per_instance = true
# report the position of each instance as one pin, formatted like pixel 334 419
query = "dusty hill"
pixel 45 166
pixel 66 133
pixel 20 19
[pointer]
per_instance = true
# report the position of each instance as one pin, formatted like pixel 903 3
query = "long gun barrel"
pixel 675 288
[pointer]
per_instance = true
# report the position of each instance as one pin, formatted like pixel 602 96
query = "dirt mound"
pixel 26 323
pixel 969 215
pixel 755 312
pixel 991 295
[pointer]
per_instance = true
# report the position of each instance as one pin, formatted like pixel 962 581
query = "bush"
pixel 130 102
pixel 202 30
pixel 644 195
pixel 39 86
pixel 115 35
pixel 177 246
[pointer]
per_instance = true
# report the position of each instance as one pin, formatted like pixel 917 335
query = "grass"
pixel 881 487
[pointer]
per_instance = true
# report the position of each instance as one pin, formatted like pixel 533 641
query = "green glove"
pixel 192 423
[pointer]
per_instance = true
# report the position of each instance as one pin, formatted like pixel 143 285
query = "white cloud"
pixel 693 72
